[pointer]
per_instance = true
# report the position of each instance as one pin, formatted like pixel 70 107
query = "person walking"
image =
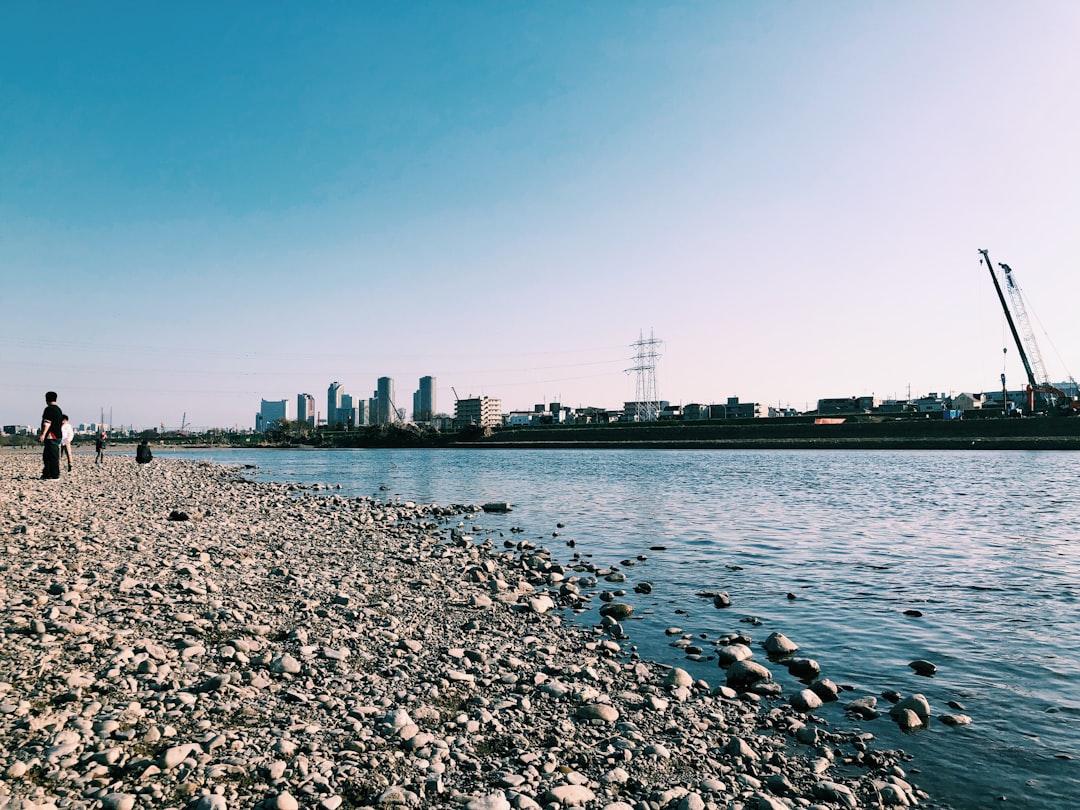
pixel 99 445
pixel 51 419
pixel 67 433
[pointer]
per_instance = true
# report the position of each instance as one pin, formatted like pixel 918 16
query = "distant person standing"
pixel 51 420
pixel 67 433
pixel 143 454
pixel 99 445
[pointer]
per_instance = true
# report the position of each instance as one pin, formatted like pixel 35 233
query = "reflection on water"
pixel 983 544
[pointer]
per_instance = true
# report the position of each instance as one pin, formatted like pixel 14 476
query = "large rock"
pixel 916 703
pixel 779 644
pixel 617 610
pixel 729 654
pixel 744 673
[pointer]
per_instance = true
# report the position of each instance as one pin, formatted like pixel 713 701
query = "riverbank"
pixel 181 636
pixel 1037 433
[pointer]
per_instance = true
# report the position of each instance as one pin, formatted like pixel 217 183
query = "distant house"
pixel 894 406
pixel 968 402
pixel 519 418
pixel 931 403
pixel 779 413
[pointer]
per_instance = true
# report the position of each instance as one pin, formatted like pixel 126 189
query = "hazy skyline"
pixel 202 206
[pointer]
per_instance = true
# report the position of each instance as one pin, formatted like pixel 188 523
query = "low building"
pixel 694 412
pixel 478 412
pixel 595 416
pixel 968 402
pixel 931 403
pixel 895 406
pixel 637 411
pixel 780 413
pixel 832 406
pixel 741 410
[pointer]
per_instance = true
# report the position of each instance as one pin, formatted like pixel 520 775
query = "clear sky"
pixel 203 204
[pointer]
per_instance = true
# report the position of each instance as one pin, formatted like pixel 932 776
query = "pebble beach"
pixel 181 636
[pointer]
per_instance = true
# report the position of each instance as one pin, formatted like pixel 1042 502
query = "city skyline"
pixel 791 196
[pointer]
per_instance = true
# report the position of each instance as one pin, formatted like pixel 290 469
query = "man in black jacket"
pixel 51 420
pixel 143 454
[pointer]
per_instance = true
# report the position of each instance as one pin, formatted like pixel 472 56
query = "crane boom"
pixel 1038 368
pixel 1009 319
pixel 1026 345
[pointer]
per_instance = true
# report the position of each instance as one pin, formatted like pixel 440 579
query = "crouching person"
pixel 143 454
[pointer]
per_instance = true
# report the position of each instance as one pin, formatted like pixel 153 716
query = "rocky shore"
pixel 178 636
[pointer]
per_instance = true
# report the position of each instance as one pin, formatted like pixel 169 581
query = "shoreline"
pixel 282 649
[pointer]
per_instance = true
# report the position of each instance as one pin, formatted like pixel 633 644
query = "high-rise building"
pixel 270 413
pixel 333 404
pixel 305 409
pixel 385 409
pixel 424 400
pixel 346 415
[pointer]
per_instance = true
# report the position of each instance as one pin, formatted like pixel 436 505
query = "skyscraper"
pixel 270 413
pixel 424 400
pixel 385 409
pixel 346 414
pixel 305 409
pixel 333 404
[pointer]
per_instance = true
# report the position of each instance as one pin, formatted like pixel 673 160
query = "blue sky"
pixel 203 206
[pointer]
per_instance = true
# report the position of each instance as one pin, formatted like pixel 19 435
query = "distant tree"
pixel 286 430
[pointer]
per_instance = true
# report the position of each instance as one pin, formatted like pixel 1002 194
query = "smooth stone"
pixel 922 667
pixel 285 664
pixel 836 793
pixel 493 801
pixel 956 719
pixel 677 677
pixel 805 700
pixel 571 795
pixel 118 801
pixel 598 711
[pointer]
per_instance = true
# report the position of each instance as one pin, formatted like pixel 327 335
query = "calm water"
pixel 984 544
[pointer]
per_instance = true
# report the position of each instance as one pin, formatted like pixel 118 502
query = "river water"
pixel 985 545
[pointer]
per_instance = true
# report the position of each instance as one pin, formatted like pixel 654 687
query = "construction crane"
pixel 1038 380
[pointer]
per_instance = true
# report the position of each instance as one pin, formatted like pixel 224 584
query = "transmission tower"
pixel 647 401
